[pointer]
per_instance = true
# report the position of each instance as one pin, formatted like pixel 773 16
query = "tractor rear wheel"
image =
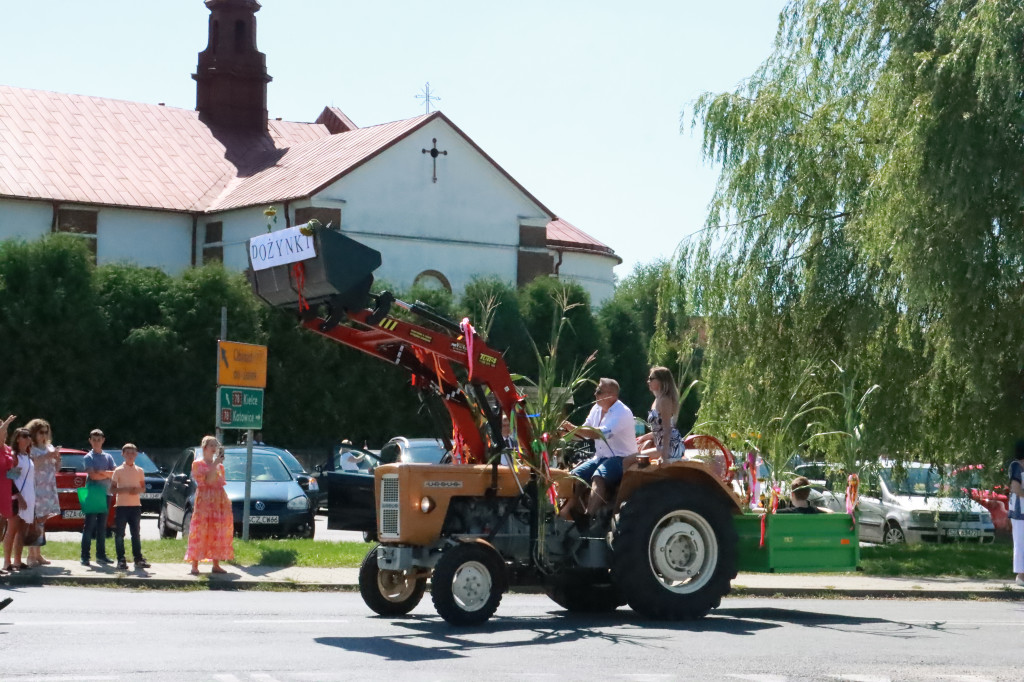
pixel 674 551
pixel 388 593
pixel 468 582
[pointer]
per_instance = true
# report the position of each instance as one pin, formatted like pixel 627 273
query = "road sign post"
pixel 241 378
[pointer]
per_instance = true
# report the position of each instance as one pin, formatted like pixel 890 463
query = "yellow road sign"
pixel 241 364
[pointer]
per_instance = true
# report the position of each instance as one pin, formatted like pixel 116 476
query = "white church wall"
pixel 465 224
pixel 144 238
pixel 25 219
pixel 590 271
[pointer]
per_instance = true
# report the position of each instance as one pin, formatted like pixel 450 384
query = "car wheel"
pixel 468 583
pixel 893 534
pixel 161 524
pixel 388 593
pixel 186 524
pixel 674 551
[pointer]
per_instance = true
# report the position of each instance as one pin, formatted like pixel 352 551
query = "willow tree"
pixel 869 212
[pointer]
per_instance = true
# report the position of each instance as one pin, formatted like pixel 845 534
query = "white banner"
pixel 280 248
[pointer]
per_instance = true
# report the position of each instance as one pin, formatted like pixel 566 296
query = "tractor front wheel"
pixel 388 593
pixel 468 582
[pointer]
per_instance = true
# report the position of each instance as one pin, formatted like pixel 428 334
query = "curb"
pixel 1007 594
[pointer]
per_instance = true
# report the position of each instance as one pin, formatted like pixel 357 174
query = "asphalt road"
pixel 149 532
pixel 52 634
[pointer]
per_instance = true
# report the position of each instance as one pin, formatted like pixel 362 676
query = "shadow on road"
pixel 833 621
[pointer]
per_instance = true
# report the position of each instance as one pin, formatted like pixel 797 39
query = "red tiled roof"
pixel 91 150
pixel 563 234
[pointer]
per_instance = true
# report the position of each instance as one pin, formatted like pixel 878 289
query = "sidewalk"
pixel 160 576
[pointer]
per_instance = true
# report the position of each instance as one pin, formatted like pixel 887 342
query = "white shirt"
pixel 617 427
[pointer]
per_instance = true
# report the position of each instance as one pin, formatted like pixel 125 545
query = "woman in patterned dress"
pixel 664 442
pixel 46 459
pixel 211 533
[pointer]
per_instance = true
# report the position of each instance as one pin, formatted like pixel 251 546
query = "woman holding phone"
pixel 23 488
pixel 46 460
pixel 211 533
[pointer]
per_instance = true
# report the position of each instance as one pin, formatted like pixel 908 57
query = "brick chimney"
pixel 232 75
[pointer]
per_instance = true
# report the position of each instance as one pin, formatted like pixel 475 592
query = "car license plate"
pixel 72 514
pixel 963 532
pixel 150 496
pixel 262 519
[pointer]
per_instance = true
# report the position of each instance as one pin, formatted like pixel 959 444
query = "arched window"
pixel 432 279
pixel 240 37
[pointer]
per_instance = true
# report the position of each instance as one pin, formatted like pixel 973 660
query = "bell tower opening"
pixel 231 83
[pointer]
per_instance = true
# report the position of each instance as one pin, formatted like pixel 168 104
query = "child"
pixel 100 467
pixel 127 484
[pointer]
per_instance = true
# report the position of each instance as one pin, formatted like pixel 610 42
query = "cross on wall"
pixel 434 153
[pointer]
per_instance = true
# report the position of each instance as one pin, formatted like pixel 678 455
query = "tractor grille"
pixel 389 496
pixel 959 516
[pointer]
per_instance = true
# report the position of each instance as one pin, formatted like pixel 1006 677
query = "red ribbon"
pixel 852 487
pixel 467 331
pixel 299 272
pixel 764 519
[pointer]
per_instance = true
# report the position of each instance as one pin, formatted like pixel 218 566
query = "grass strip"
pixel 305 553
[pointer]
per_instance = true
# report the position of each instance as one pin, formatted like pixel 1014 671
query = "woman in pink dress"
pixel 211 533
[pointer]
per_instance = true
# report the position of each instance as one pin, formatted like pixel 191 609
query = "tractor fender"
pixel 694 472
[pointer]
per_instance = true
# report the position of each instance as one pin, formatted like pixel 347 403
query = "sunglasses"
pixel 24 435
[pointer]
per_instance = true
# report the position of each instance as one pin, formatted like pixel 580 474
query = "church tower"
pixel 232 74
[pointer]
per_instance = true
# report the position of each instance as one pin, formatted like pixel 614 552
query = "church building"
pixel 172 188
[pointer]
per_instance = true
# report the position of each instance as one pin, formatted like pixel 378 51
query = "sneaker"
pixel 142 563
pixel 85 562
pixel 122 565
pixel 103 560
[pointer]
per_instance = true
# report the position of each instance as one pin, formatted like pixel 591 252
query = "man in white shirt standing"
pixel 610 425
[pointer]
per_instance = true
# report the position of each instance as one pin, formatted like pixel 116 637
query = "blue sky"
pixel 580 100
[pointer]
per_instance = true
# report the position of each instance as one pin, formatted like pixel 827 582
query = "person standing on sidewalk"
pixel 127 483
pixel 1016 510
pixel 22 477
pixel 211 533
pixel 46 462
pixel 100 467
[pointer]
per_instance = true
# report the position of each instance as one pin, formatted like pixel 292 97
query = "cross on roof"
pixel 427 97
pixel 434 153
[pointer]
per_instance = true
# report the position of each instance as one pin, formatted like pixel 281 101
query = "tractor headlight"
pixel 427 504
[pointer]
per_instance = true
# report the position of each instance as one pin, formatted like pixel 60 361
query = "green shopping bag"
pixel 93 499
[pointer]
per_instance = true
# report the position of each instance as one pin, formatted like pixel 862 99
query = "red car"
pixel 70 478
pixel 996 501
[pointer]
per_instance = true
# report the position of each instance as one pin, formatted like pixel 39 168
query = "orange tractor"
pixel 476 526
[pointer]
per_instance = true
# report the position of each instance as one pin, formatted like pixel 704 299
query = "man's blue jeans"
pixel 95 527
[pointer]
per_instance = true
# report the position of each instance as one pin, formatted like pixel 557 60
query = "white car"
pixel 912 504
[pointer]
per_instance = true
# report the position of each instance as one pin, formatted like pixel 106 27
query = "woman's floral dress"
pixel 47 503
pixel 212 531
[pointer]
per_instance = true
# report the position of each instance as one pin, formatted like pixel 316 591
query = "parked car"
pixel 350 500
pixel 279 505
pixel 907 504
pixel 155 478
pixel 70 478
pixel 349 460
pixel 307 480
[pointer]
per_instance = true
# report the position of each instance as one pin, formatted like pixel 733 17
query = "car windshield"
pixel 142 461
pixel 418 452
pixel 72 461
pixel 911 481
pixel 294 465
pixel 265 467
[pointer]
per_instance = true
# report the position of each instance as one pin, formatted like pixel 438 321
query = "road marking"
pixel 65 623
pixel 59 678
pixel 760 678
pixel 862 678
pixel 262 677
pixel 224 677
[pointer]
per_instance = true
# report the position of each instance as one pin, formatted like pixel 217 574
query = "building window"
pixel 213 244
pixel 79 223
pixel 326 216
pixel 432 279
pixel 240 39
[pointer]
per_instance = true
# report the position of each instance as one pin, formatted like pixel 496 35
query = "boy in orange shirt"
pixel 128 483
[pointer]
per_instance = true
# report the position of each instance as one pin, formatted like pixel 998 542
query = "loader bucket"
pixel 340 268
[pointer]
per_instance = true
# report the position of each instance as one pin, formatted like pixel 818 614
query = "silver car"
pixel 911 503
